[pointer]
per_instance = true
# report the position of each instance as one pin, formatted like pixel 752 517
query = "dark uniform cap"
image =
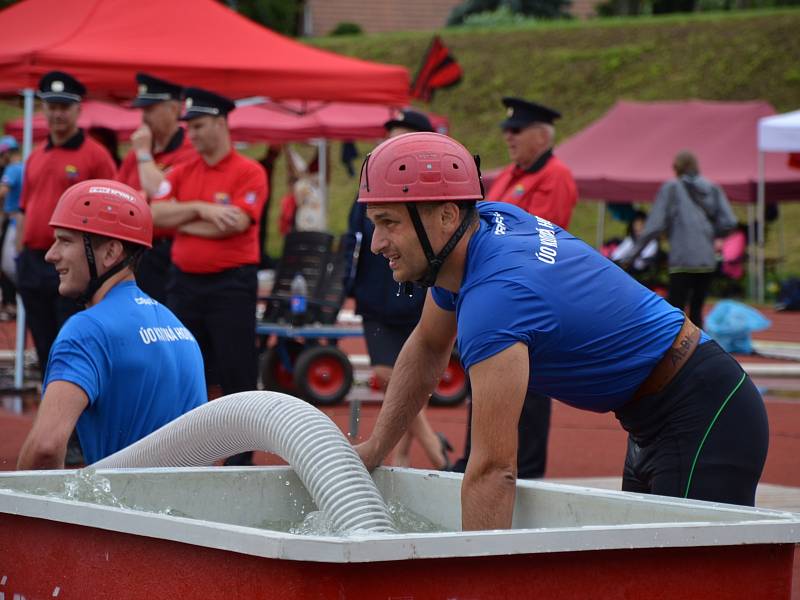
pixel 202 103
pixel 152 90
pixel 521 113
pixel 61 88
pixel 410 119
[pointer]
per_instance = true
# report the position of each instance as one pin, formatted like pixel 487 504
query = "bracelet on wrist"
pixel 143 156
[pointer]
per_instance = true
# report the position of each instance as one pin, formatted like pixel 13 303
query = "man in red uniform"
pixel 536 180
pixel 214 202
pixel 67 157
pixel 156 147
pixel 542 185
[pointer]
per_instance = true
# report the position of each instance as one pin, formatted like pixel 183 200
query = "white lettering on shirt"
pixel 151 335
pixel 548 244
pixel 499 224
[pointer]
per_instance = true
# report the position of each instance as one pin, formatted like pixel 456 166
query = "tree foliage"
pixel 546 9
pixel 278 15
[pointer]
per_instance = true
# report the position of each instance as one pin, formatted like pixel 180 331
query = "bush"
pixel 346 28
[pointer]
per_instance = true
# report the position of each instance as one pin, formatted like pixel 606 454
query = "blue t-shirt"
pixel 12 177
pixel 139 366
pixel 593 332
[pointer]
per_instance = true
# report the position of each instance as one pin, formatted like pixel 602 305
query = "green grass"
pixel 582 68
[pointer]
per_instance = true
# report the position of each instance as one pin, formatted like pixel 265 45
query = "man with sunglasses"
pixel 536 180
pixel 542 185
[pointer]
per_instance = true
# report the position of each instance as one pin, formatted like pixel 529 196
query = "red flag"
pixel 438 70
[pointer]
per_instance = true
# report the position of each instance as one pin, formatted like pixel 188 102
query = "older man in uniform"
pixel 215 201
pixel 536 180
pixel 539 183
pixel 66 158
pixel 157 145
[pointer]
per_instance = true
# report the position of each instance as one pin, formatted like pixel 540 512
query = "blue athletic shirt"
pixel 593 332
pixel 12 177
pixel 139 366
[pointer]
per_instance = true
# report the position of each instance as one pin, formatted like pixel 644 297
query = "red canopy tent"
pixel 193 42
pixel 268 122
pixel 627 154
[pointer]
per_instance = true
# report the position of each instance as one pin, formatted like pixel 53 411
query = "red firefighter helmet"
pixel 105 207
pixel 420 167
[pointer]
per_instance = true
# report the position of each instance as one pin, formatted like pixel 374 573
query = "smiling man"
pixel 66 158
pixel 125 366
pixel 534 308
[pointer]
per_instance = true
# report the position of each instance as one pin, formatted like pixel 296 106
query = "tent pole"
pixel 601 224
pixel 27 145
pixel 761 225
pixel 751 252
pixel 322 161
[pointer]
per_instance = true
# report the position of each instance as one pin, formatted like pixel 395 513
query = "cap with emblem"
pixel 60 87
pixel 202 103
pixel 152 90
pixel 409 119
pixel 8 142
pixel 521 113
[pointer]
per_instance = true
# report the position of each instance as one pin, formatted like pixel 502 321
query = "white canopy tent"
pixel 777 133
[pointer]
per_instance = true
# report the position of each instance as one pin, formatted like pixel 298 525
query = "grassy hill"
pixel 582 68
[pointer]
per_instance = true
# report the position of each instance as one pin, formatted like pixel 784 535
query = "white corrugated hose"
pixel 299 433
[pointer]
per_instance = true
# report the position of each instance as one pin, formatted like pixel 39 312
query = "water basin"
pixel 196 532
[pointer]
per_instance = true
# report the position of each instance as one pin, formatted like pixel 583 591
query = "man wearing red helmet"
pixel 534 308
pixel 125 366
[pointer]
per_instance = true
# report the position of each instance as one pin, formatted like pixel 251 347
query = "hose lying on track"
pixel 303 436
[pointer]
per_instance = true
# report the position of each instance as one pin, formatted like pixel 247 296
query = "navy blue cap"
pixel 410 119
pixel 521 113
pixel 60 87
pixel 152 90
pixel 202 103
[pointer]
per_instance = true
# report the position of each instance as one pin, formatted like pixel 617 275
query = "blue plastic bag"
pixel 731 324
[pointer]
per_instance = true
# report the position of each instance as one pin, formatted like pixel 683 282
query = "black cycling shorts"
pixel 705 436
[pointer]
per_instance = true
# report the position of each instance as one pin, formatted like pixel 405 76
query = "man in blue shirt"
pixel 125 366
pixel 533 307
pixel 10 190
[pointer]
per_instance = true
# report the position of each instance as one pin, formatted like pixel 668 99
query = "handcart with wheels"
pixel 304 360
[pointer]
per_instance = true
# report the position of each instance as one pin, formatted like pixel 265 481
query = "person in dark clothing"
pixel 694 212
pixel 389 314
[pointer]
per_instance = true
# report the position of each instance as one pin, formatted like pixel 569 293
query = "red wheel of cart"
pixel 453 386
pixel 278 366
pixel 324 375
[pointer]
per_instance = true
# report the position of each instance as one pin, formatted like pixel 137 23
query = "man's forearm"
pixel 150 177
pixel 414 377
pixel 205 229
pixel 174 214
pixel 487 500
pixel 36 457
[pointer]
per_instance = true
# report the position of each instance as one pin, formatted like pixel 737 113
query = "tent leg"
pixel 601 224
pixel 27 144
pixel 322 160
pixel 761 225
pixel 751 252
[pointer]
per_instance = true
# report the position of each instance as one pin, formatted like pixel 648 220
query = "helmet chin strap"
pixel 94 281
pixel 435 261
